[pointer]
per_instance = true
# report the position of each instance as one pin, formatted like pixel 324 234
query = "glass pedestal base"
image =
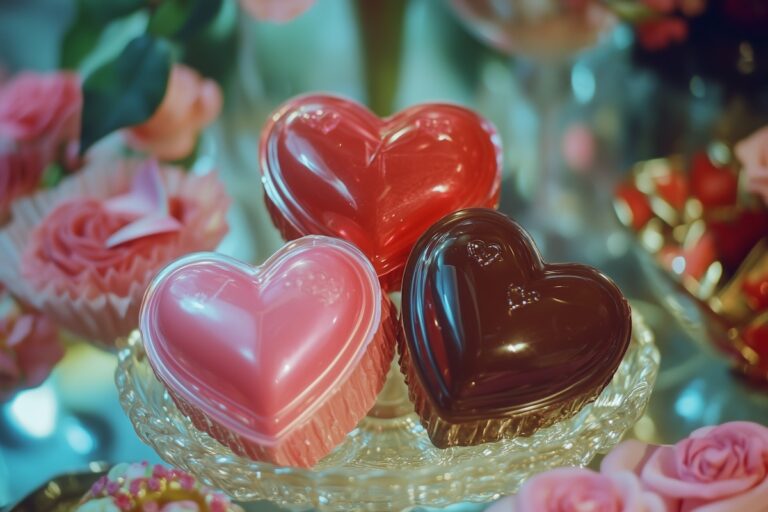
pixel 388 462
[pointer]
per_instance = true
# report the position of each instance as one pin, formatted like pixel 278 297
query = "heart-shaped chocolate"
pixel 331 167
pixel 497 343
pixel 266 357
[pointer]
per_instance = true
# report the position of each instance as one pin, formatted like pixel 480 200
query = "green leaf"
pixel 125 91
pixel 168 18
pixel 182 19
pixel 78 42
pixel 212 51
pixel 91 19
pixel 104 11
pixel 202 14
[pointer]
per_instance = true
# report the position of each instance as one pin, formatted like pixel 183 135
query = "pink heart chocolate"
pixel 280 361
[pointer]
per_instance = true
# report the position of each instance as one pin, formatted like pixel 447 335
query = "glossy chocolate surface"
pixel 494 331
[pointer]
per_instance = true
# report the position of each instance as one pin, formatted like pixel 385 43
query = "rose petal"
pixel 693 469
pixel 569 489
pixel 631 455
pixel 146 226
pixel 753 500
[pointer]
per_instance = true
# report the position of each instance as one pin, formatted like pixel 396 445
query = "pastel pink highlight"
pixel 278 362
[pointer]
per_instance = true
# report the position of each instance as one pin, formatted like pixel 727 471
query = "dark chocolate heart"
pixel 491 331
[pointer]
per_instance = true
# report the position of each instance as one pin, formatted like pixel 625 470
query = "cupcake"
pixel 278 362
pixel 29 347
pixel 84 252
pixel 495 343
pixel 141 487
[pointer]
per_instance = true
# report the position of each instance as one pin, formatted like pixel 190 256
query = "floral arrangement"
pixel 50 121
pixel 96 193
pixel 715 469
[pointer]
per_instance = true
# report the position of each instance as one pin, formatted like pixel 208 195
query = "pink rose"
pixel 29 348
pixel 278 11
pixel 35 106
pixel 191 102
pixel 70 246
pixel 39 121
pixel 575 489
pixel 753 154
pixel 716 469
pixel 659 33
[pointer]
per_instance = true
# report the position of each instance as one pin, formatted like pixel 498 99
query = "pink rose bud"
pixel 190 104
pixel 40 106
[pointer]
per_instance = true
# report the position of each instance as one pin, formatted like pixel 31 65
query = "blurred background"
pixel 576 103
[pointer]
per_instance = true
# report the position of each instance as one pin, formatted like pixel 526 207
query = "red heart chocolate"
pixel 496 343
pixel 331 167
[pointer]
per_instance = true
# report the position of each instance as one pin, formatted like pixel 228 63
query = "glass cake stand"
pixel 388 462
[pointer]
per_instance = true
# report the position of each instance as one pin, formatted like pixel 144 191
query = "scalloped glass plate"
pixel 388 462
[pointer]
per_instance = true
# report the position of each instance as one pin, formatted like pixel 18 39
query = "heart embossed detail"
pixel 279 361
pixel 331 167
pixel 495 342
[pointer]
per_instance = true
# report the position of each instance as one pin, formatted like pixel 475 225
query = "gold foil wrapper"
pixel 656 204
pixel 62 493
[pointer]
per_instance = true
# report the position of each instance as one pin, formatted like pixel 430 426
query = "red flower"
pixel 659 33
